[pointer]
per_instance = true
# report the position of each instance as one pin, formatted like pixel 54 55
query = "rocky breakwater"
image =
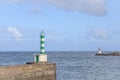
pixel 109 54
pixel 37 71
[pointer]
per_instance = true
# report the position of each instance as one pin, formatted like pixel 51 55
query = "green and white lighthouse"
pixel 42 43
pixel 41 57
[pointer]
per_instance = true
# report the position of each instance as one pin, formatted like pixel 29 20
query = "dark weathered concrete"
pixel 39 71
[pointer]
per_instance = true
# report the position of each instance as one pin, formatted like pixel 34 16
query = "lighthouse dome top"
pixel 42 33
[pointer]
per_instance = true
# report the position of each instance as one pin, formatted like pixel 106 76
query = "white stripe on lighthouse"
pixel 42 50
pixel 42 39
pixel 42 45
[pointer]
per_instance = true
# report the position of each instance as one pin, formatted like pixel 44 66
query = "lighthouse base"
pixel 40 58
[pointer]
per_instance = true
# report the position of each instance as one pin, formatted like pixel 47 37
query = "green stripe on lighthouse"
pixel 42 43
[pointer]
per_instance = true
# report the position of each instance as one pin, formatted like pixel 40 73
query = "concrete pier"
pixel 37 71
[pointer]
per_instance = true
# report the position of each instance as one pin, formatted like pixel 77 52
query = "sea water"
pixel 73 65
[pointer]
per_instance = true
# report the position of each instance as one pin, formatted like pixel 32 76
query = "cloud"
pixel 35 11
pixel 16 1
pixel 97 34
pixel 22 1
pixel 92 7
pixel 54 37
pixel 14 32
pixel 10 1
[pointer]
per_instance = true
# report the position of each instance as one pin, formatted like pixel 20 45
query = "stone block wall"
pixel 39 71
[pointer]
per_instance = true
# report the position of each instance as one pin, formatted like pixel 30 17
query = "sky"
pixel 69 25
